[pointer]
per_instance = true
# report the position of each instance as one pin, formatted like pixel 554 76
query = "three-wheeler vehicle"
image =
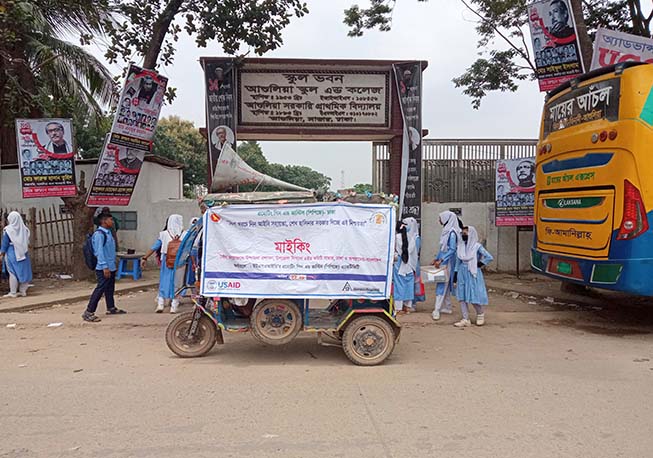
pixel 367 330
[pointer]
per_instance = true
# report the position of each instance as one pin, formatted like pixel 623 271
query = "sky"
pixel 438 31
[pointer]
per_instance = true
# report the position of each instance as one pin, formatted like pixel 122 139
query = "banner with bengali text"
pixel 322 250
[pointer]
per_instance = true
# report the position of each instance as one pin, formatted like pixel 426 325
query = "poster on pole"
pixel 515 192
pixel 130 138
pixel 612 47
pixel 115 175
pixel 289 251
pixel 408 77
pixel 220 81
pixel 46 157
pixel 556 46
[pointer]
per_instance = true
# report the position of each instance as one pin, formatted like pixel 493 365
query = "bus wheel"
pixel 276 321
pixel 368 340
pixel 199 345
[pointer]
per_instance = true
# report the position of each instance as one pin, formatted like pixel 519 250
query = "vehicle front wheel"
pixel 198 345
pixel 368 340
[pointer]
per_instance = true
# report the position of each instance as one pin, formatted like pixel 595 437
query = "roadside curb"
pixel 73 299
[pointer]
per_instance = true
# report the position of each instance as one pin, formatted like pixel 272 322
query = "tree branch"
pixel 519 51
pixel 159 31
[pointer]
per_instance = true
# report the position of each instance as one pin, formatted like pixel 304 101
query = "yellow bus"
pixel 594 183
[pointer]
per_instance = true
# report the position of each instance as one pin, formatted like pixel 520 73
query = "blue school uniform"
pixel 22 270
pixel 448 258
pixel 472 289
pixel 166 275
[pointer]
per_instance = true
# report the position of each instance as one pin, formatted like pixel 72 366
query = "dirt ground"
pixel 539 380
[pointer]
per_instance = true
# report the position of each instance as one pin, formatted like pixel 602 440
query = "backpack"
pixel 89 253
pixel 171 253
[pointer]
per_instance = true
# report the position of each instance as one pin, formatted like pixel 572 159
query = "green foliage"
pixel 501 66
pixel 362 188
pixel 180 140
pixel 38 66
pixel 152 28
pixel 299 175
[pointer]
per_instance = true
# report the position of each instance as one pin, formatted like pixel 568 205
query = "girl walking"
pixel 169 277
pixel 446 256
pixel 471 284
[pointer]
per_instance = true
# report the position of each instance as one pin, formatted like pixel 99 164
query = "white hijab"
pixel 18 234
pixel 468 251
pixel 411 266
pixel 175 228
pixel 450 221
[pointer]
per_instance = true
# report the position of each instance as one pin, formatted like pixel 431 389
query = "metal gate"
pixel 454 170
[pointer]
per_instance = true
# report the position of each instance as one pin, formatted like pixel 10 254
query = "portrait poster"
pixel 115 175
pixel 220 82
pixel 555 43
pixel 515 192
pixel 408 77
pixel 46 157
pixel 130 138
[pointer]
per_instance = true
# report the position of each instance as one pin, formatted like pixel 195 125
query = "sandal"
pixel 115 311
pixel 90 317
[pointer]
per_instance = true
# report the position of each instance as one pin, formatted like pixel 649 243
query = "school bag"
pixel 89 253
pixel 171 254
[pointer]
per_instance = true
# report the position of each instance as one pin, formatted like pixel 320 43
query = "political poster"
pixel 408 77
pixel 130 138
pixel 220 81
pixel 46 157
pixel 115 175
pixel 515 192
pixel 140 104
pixel 611 47
pixel 325 250
pixel 555 43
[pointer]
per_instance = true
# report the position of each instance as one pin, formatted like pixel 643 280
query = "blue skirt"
pixel 403 285
pixel 471 289
pixel 22 270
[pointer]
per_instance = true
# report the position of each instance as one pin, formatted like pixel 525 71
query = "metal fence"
pixel 454 170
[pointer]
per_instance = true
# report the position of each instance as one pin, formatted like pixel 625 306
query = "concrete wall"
pixel 158 193
pixel 499 241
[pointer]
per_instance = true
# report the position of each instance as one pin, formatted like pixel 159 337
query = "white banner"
pixel 611 47
pixel 322 250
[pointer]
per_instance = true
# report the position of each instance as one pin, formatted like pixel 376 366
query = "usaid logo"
pixel 213 285
pixel 228 285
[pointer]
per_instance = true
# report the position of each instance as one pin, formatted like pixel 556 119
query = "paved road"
pixel 537 381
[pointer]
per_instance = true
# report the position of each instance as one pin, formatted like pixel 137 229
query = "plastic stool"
pixel 123 270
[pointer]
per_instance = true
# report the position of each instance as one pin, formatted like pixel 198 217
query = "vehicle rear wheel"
pixel 368 340
pixel 276 321
pixel 199 345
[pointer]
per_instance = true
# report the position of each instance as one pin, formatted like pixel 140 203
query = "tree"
pixel 41 73
pixel 299 175
pixel 181 141
pixel 363 188
pixel 150 29
pixel 502 68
